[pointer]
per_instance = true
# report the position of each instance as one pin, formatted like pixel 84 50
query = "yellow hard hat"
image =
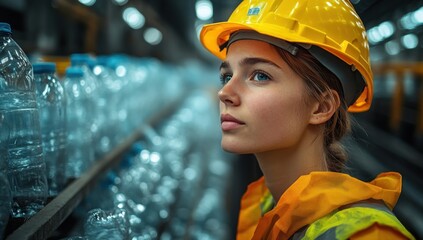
pixel 332 25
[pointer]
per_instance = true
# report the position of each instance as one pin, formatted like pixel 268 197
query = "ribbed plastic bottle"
pixel 18 109
pixel 79 121
pixel 51 100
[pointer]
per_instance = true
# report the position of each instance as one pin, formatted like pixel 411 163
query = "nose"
pixel 229 93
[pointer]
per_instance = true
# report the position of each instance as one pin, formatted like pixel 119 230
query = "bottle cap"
pixel 74 72
pixel 5 27
pixel 44 67
pixel 80 58
pixel 114 62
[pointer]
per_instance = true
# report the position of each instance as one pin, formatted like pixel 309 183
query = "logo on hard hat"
pixel 253 11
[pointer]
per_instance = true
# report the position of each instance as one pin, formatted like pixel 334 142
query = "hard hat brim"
pixel 212 36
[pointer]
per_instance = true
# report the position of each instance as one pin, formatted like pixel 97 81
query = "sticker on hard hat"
pixel 253 11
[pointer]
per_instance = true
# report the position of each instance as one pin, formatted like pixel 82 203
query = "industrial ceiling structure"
pixel 168 28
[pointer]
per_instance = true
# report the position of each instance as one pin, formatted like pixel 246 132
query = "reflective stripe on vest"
pixel 266 203
pixel 346 222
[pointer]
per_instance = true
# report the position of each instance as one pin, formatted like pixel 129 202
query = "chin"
pixel 235 148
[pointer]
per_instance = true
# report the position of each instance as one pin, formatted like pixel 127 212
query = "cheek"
pixel 279 107
pixel 282 121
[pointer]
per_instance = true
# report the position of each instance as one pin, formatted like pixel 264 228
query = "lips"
pixel 228 122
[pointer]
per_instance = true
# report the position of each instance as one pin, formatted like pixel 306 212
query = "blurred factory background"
pixel 387 138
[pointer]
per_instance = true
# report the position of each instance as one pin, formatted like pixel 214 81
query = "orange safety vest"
pixel 315 204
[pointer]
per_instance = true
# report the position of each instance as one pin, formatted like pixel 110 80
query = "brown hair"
pixel 320 80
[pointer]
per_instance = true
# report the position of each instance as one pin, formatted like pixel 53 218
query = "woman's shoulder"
pixel 362 220
pixel 377 231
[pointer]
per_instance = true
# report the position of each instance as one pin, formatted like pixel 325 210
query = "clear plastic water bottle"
pixel 5 197
pixel 4 143
pixel 120 87
pixel 51 100
pixel 79 122
pixel 86 62
pixel 109 104
pixel 117 112
pixel 18 109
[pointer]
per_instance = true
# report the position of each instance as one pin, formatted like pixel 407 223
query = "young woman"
pixel 291 70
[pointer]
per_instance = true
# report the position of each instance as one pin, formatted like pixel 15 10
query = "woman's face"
pixel 262 102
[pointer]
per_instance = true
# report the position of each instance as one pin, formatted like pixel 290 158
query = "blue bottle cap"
pixel 5 27
pixel 80 58
pixel 44 67
pixel 113 62
pixel 74 72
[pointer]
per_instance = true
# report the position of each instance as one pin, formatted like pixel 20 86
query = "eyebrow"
pixel 224 65
pixel 250 62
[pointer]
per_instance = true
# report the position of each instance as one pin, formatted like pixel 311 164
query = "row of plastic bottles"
pixel 53 129
pixel 170 185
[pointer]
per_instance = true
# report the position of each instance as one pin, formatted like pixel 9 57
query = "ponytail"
pixel 336 128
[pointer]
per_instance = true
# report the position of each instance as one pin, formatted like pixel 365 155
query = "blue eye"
pixel 224 78
pixel 260 77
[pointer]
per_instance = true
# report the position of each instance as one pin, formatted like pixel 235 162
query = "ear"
pixel 323 111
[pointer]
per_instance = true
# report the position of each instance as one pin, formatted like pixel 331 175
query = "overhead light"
pixel 204 9
pixel 410 41
pixel 87 2
pixel 412 20
pixel 374 35
pixel 381 32
pixel 120 2
pixel 133 18
pixel 386 29
pixel 407 22
pixel 392 47
pixel 418 15
pixel 153 36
